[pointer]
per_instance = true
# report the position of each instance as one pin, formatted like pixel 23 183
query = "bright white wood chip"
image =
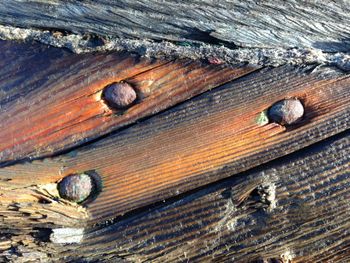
pixel 67 235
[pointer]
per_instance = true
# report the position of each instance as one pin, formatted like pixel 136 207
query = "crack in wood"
pixel 255 56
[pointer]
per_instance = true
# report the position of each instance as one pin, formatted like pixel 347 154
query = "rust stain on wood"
pixel 150 168
pixel 64 108
pixel 192 145
pixel 237 219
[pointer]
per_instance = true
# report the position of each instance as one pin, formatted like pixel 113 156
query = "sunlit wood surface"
pixel 189 172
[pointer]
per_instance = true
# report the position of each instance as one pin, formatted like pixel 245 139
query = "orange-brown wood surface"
pixel 159 198
pixel 203 140
pixel 295 209
pixel 51 99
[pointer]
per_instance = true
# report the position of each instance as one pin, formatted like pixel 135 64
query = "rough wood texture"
pixel 51 100
pixel 233 23
pixel 205 139
pixel 159 198
pixel 295 209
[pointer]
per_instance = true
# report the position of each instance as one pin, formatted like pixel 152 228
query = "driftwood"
pixel 321 24
pixel 64 85
pixel 195 170
pixel 256 32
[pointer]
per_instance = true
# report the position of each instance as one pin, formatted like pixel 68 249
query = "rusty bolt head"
pixel 286 112
pixel 76 187
pixel 119 95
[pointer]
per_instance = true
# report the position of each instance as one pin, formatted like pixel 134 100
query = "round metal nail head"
pixel 119 95
pixel 76 187
pixel 286 112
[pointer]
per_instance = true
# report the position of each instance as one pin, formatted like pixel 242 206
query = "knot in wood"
pixel 286 112
pixel 76 187
pixel 119 95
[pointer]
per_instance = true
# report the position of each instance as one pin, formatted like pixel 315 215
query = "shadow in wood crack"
pixel 343 45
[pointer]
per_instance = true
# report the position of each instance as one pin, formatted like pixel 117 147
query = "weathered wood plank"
pixel 310 24
pixel 191 145
pixel 294 209
pixel 51 99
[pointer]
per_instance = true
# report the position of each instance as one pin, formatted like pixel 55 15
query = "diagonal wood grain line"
pixel 50 99
pixel 205 139
pixel 310 191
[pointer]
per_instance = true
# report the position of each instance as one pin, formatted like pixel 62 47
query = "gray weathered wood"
pixel 260 33
pixel 292 23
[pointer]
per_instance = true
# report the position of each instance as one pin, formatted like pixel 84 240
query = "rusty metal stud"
pixel 76 187
pixel 119 95
pixel 286 112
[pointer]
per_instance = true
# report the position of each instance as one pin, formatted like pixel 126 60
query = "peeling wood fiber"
pixel 266 32
pixel 319 24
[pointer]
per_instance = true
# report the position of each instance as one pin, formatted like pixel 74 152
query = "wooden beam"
pixel 198 142
pixel 51 100
pixel 294 209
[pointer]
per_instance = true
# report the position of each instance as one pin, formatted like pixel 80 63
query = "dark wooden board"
pixel 208 138
pixel 187 173
pixel 50 99
pixel 294 209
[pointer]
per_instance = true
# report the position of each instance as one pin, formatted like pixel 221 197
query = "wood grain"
pixel 295 208
pixel 51 100
pixel 203 181
pixel 198 142
pixel 231 22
